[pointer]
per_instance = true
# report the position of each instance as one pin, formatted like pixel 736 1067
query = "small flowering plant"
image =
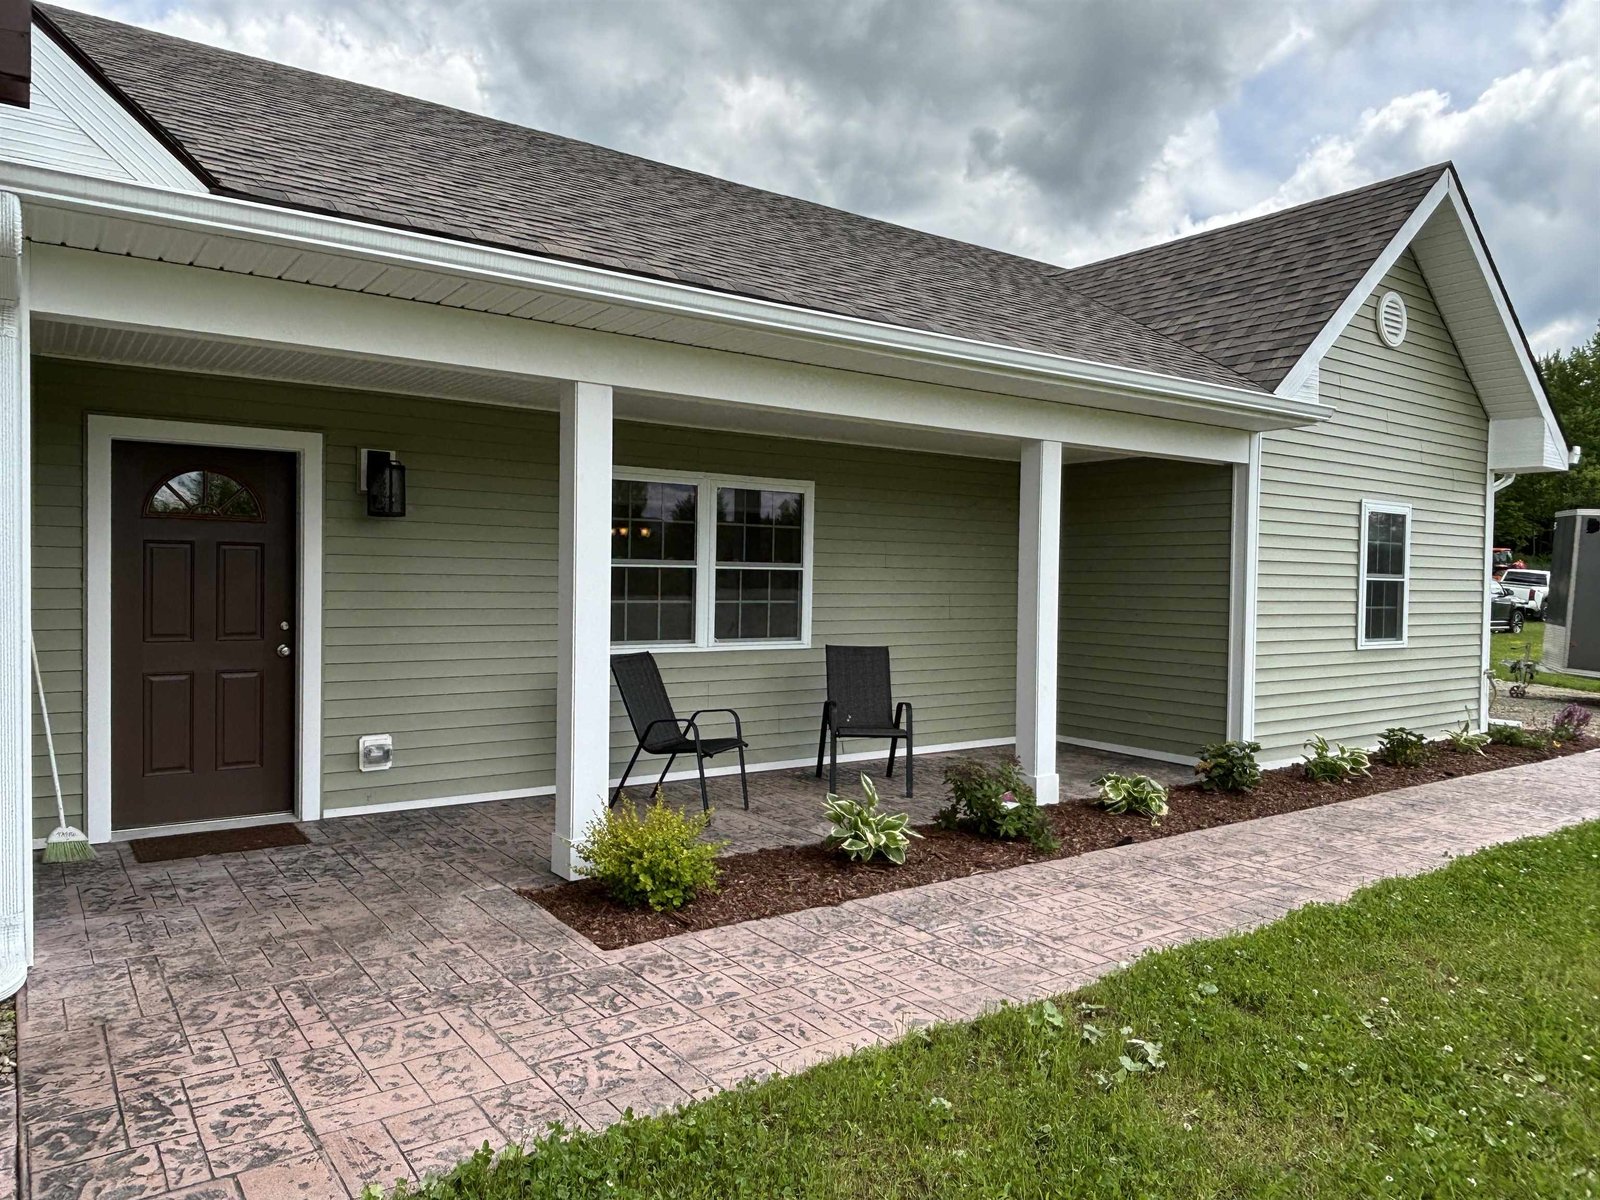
pixel 994 802
pixel 1570 723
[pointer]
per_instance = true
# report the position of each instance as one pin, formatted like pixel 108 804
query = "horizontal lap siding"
pixel 438 628
pixel 1408 427
pixel 914 551
pixel 1144 603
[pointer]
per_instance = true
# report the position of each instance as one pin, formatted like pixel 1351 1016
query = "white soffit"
pixel 71 124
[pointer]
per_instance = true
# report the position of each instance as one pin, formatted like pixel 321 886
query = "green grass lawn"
pixel 1510 645
pixel 1434 1037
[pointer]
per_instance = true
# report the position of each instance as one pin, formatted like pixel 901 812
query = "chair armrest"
pixel 903 710
pixel 738 727
pixel 675 722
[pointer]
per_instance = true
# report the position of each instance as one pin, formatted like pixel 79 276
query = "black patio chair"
pixel 859 699
pixel 661 731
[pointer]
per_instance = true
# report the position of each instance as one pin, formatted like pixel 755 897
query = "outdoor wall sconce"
pixel 383 478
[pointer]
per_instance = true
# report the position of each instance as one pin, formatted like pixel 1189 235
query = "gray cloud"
pixel 1064 130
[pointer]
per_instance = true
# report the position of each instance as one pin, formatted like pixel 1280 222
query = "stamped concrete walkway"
pixel 299 1022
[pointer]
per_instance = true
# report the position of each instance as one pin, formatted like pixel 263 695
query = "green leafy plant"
pixel 994 802
pixel 862 832
pixel 1229 766
pixel 656 860
pixel 1518 735
pixel 1334 762
pixel 1137 794
pixel 1464 741
pixel 1570 723
pixel 1402 747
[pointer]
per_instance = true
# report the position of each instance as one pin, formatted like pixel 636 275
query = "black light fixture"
pixel 386 484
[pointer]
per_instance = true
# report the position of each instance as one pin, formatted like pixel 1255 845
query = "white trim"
pixel 684 776
pixel 1484 688
pixel 1244 598
pixel 1398 508
pixel 1446 190
pixel 99 118
pixel 706 564
pixel 224 216
pixel 1131 751
pixel 1038 613
pixel 103 430
pixel 221 823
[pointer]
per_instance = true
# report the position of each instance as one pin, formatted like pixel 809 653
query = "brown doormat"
pixel 223 841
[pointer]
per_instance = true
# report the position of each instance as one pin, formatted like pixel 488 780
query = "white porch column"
pixel 583 671
pixel 16 706
pixel 1244 570
pixel 1038 616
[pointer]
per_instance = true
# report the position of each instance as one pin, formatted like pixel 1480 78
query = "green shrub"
pixel 1465 741
pixel 658 860
pixel 1132 794
pixel 1229 766
pixel 1518 735
pixel 861 831
pixel 1402 747
pixel 994 802
pixel 1335 763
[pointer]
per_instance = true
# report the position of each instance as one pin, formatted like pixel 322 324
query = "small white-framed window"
pixel 1385 592
pixel 709 562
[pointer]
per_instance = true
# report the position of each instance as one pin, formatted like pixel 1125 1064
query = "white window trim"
pixel 705 580
pixel 1362 641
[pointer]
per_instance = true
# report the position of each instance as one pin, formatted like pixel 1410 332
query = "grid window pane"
pixel 653 522
pixel 1386 543
pixel 652 604
pixel 759 525
pixel 1384 598
pixel 757 605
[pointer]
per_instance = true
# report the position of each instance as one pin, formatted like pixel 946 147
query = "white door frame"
pixel 103 431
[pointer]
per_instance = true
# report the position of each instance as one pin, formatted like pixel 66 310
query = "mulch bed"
pixel 769 883
pixel 221 841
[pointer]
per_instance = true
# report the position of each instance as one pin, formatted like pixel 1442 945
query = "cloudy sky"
pixel 1065 131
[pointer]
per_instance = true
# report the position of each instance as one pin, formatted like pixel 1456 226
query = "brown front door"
pixel 202 633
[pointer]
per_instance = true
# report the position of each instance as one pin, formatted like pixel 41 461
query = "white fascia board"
pixel 228 217
pixel 1445 191
pixel 108 290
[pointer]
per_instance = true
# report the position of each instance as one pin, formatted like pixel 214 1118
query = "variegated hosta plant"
pixel 862 832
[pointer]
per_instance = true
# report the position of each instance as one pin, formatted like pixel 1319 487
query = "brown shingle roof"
pixel 284 136
pixel 1255 294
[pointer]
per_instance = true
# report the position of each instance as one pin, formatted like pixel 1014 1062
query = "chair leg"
pixel 744 783
pixel 705 799
pixel 822 742
pixel 833 763
pixel 671 758
pixel 626 771
pixel 894 744
pixel 909 761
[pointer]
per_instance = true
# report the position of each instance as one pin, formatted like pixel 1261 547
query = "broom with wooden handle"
pixel 65 844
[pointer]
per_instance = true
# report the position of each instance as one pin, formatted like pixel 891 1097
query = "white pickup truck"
pixel 1530 589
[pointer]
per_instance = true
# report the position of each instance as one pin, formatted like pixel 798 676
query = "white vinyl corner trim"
pixel 16 703
pixel 103 432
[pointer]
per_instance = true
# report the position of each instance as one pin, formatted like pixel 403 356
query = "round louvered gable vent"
pixel 1392 318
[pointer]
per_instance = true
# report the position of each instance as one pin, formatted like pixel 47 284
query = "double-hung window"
pixel 709 561
pixel 1385 573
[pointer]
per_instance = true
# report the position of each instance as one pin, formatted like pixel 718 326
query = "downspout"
pixel 1503 482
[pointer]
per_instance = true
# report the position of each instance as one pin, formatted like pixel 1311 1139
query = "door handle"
pixel 283 651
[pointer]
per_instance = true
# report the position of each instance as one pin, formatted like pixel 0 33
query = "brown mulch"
pixel 221 841
pixel 786 879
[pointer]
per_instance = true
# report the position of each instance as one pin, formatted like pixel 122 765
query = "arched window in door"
pixel 203 495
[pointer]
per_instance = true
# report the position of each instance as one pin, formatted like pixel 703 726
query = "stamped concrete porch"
pixel 378 1004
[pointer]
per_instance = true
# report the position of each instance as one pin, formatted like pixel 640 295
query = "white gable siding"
pixel 72 125
pixel 1409 427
